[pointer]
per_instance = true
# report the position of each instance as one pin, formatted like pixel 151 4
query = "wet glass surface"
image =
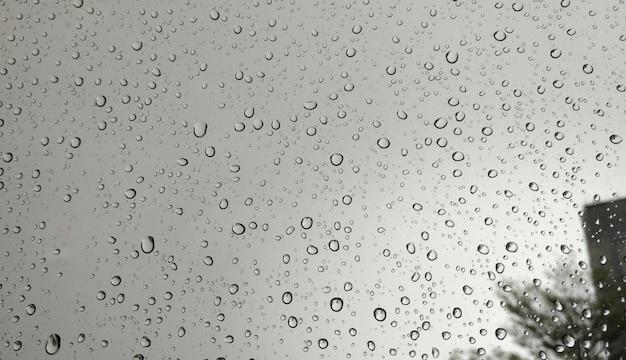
pixel 312 179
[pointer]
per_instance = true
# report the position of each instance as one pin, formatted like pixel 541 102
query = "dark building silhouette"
pixel 605 229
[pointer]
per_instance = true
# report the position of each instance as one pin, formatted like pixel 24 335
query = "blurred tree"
pixel 496 354
pixel 564 318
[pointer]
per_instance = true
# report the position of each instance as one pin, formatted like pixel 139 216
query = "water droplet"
pixel 555 53
pixel 587 68
pixel 75 142
pixel 310 105
pixel 383 143
pixel 452 57
pixel 499 35
pixel 233 289
pixel 145 342
pixel 306 222
pixel 533 186
pixel 457 313
pixel 569 340
pixel 137 45
pixel 483 249
pixel 410 247
pixel 391 69
pixel 467 290
pixel 200 129
pixel 380 314
pixel 30 309
pixel 147 244
pixel 431 255
pixel 287 298
pixel 53 344
pixel 248 112
pixel 101 100
pixel 292 322
pixel 209 151
pixel 130 193
pixel 238 229
pixel 208 260
pixel 615 139
pixel 311 250
pixel 182 162
pixel 322 343
pixel 214 15
pixel 511 246
pixel 333 245
pixel 440 123
pixel 417 206
pixel 336 304
pixel 500 333
pixel 458 156
pixel 336 159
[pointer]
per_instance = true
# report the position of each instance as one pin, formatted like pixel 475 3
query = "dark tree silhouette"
pixel 496 354
pixel 563 317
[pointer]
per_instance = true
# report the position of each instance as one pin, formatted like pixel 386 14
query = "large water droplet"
pixel 200 129
pixel 238 229
pixel 483 249
pixel 467 290
pixel 101 100
pixel 380 314
pixel 383 143
pixel 53 344
pixel 310 105
pixel 288 298
pixel 75 142
pixel 452 57
pixel 147 244
pixel 336 304
pixel 615 139
pixel 499 35
pixel 336 159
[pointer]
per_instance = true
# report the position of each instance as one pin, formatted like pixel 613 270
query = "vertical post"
pixel 605 230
